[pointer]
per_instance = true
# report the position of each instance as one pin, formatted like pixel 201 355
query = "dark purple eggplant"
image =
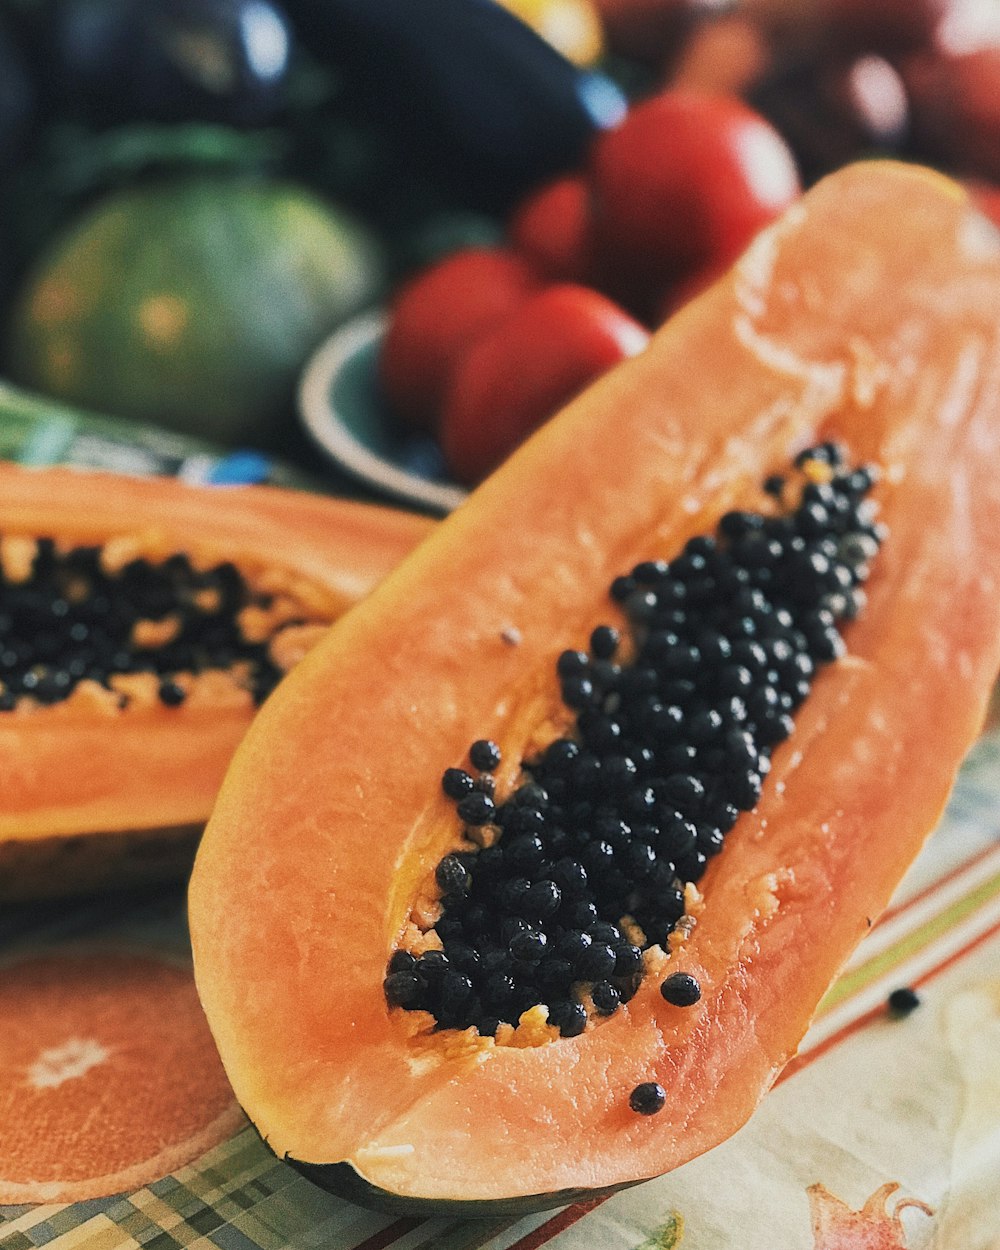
pixel 173 60
pixel 17 99
pixel 484 103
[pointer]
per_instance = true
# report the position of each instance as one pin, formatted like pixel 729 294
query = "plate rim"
pixel 328 431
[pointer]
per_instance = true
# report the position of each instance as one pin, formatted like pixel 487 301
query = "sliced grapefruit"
pixel 109 1077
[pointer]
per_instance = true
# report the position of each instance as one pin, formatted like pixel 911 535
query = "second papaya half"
pixel 528 880
pixel 141 623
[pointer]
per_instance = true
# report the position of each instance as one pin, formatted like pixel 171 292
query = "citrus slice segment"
pixel 109 1077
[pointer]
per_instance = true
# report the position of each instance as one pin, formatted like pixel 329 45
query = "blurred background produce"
pixel 195 193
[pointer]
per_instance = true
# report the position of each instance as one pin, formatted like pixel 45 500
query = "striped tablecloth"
pixel 883 1132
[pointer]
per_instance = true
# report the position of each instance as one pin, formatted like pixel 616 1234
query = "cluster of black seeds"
pixel 589 857
pixel 70 620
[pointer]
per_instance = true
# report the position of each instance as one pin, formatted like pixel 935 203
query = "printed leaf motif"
pixel 836 1227
pixel 667 1237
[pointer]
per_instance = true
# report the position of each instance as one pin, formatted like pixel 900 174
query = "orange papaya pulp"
pixel 868 315
pixel 97 793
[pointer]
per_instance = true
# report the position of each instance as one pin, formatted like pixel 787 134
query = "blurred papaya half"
pixel 142 621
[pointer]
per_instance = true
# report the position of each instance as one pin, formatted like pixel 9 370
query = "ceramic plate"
pixel 341 408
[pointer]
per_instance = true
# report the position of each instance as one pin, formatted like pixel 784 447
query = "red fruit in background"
pixel 517 376
pixel 437 315
pixel 986 197
pixel 552 228
pixel 683 183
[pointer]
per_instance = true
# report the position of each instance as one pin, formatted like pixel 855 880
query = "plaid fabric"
pixel 941 934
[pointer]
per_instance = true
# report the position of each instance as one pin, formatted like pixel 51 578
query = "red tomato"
pixel 683 183
pixel 437 315
pixel 552 227
pixel 986 198
pixel 547 351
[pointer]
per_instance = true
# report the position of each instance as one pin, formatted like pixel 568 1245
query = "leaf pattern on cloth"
pixel 836 1227
pixel 667 1236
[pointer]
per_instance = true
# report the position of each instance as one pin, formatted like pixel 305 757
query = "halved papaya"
pixel 113 590
pixel 420 744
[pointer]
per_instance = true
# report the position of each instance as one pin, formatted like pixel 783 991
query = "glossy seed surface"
pixel 680 989
pixel 648 1098
pixel 68 615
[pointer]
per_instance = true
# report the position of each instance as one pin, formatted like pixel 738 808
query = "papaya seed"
pixel 648 1098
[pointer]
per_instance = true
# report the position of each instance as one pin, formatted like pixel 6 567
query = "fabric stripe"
pixel 807 1057
pixel 566 1218
pixel 919 939
pixel 392 1232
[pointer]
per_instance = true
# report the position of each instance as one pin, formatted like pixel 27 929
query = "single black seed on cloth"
pixel 680 989
pixel 648 1098
pixel 902 1001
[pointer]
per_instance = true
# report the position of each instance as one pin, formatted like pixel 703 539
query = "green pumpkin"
pixel 192 304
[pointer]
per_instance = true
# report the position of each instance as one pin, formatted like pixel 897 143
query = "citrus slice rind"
pixel 109 1078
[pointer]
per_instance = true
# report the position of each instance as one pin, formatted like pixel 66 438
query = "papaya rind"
pixel 85 863
pixel 342 1180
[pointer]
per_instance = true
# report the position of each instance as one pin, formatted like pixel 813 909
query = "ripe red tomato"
pixel 986 197
pixel 552 228
pixel 683 183
pixel 525 369
pixel 437 315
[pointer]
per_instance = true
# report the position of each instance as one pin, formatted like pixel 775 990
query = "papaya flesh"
pixel 867 316
pixel 106 780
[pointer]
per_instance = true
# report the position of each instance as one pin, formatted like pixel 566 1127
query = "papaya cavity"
pixel 567 888
pixel 142 622
pixel 112 626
